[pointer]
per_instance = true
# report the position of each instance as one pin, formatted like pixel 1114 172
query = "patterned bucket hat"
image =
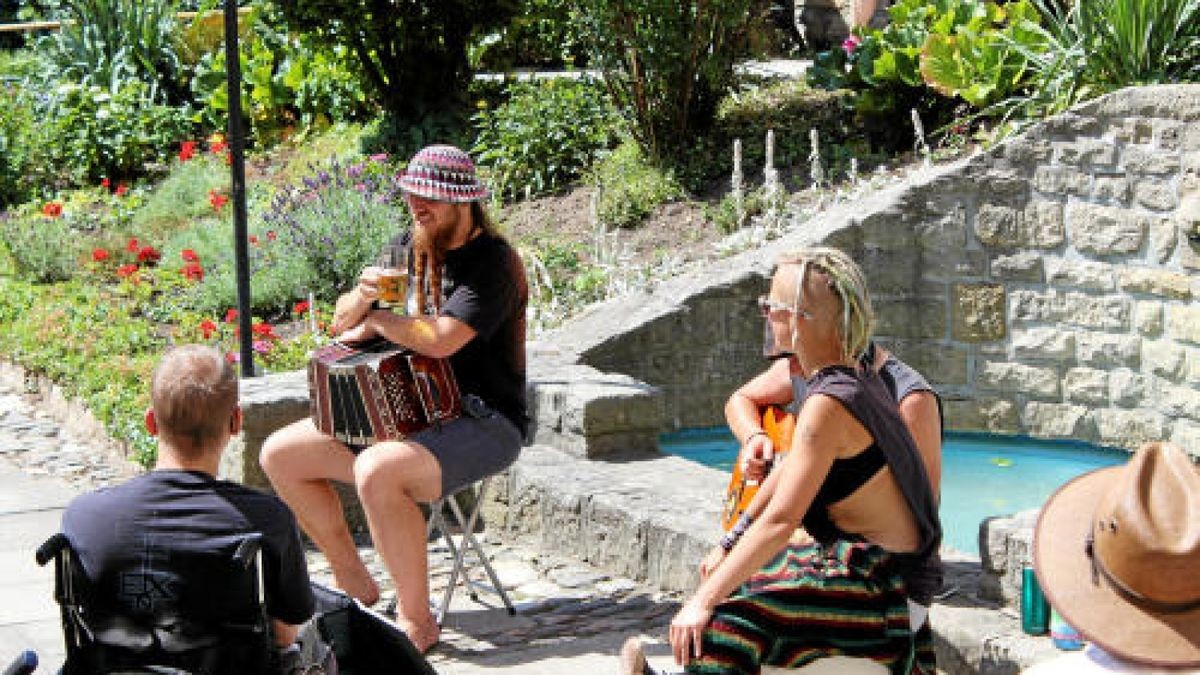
pixel 443 173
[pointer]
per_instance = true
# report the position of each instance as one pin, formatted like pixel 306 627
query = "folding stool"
pixel 437 527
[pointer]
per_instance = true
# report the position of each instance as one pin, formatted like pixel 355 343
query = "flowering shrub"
pixel 334 222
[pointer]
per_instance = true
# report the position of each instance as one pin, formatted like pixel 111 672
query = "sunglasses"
pixel 766 306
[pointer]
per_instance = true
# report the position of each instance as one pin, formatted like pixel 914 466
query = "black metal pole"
pixel 237 167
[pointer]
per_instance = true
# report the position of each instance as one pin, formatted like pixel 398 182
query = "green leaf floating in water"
pixel 1002 462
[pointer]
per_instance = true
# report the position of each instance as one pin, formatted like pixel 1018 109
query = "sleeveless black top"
pixel 866 397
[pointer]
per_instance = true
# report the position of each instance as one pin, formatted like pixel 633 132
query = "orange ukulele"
pixel 779 425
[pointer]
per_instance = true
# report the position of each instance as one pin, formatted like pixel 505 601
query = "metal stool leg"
pixel 458 553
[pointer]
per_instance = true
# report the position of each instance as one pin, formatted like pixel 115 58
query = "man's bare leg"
pixel 391 478
pixel 300 461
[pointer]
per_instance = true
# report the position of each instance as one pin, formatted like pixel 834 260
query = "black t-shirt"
pixel 132 538
pixel 484 286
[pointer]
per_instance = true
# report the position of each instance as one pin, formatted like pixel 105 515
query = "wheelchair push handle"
pixel 24 664
pixel 51 548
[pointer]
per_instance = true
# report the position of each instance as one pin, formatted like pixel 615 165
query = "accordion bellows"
pixel 376 391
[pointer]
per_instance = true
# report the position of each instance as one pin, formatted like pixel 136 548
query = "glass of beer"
pixel 393 279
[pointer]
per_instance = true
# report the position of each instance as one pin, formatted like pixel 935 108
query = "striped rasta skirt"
pixel 812 601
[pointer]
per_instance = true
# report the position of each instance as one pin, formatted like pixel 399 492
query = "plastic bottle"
pixel 1062 634
pixel 1035 611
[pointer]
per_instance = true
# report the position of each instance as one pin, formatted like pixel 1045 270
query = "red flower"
pixel 264 330
pixel 207 328
pixel 216 143
pixel 187 150
pixel 133 245
pixel 126 271
pixel 189 255
pixel 216 199
pixel 52 209
pixel 148 255
pixel 231 316
pixel 228 158
pixel 121 189
pixel 271 235
pixel 253 240
pixel 99 254
pixel 850 44
pixel 300 307
pixel 232 357
pixel 106 183
pixel 193 272
pixel 262 346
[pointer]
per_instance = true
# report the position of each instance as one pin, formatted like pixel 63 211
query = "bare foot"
pixel 422 635
pixel 359 586
pixel 633 659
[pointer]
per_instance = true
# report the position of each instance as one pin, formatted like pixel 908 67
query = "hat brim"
pixel 1096 610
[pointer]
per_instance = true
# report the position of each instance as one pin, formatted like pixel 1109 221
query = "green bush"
pixel 631 186
pixel 545 135
pixel 44 247
pixel 543 33
pixel 91 133
pixel 792 109
pixel 181 198
pixel 292 82
pixel 667 63
pixel 17 121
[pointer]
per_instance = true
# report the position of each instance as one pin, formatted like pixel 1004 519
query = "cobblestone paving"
pixel 558 601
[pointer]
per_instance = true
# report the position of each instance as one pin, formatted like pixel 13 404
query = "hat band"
pixel 1130 595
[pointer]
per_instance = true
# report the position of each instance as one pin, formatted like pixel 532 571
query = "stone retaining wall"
pixel 1045 286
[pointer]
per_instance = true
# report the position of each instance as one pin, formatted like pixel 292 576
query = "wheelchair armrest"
pixel 51 548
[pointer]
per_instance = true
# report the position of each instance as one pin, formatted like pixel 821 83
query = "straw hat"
pixel 443 173
pixel 1117 552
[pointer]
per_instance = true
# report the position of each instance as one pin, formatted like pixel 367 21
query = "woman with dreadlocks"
pixel 853 478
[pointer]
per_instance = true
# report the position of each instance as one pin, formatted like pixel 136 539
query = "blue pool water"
pixel 982 475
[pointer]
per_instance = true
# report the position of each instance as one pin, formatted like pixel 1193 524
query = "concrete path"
pixel 30 509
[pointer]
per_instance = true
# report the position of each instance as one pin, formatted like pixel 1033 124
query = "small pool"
pixel 982 475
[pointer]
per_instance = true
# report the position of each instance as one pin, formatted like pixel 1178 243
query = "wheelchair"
pixel 225 630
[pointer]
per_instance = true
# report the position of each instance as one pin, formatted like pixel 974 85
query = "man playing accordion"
pixel 478 292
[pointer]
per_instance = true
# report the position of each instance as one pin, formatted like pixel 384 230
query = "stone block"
pixel 1105 230
pixel 1150 162
pixel 1057 420
pixel 1062 180
pixel 1116 190
pixel 998 226
pixel 887 229
pixel 1072 124
pixel 1023 266
pixel 1191 137
pixel 1018 378
pixel 943 365
pixel 1043 344
pixel 1186 434
pixel 1107 350
pixel 1193 365
pixel 1183 323
pixel 1006 546
pixel 1086 385
pixel 1043 224
pixel 1164 359
pixel 1148 317
pixel 1176 401
pixel 911 318
pixel 1085 151
pixel 1127 388
pixel 993 415
pixel 1155 195
pixel 1129 428
pixel 268 403
pixel 1024 150
pixel 978 312
pixel 1082 274
pixel 1159 282
pixel 1164 235
pixel 1168 134
pixel 583 410
pixel 1076 309
pixel 947 233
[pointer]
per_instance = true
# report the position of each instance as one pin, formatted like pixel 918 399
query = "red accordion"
pixel 377 391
